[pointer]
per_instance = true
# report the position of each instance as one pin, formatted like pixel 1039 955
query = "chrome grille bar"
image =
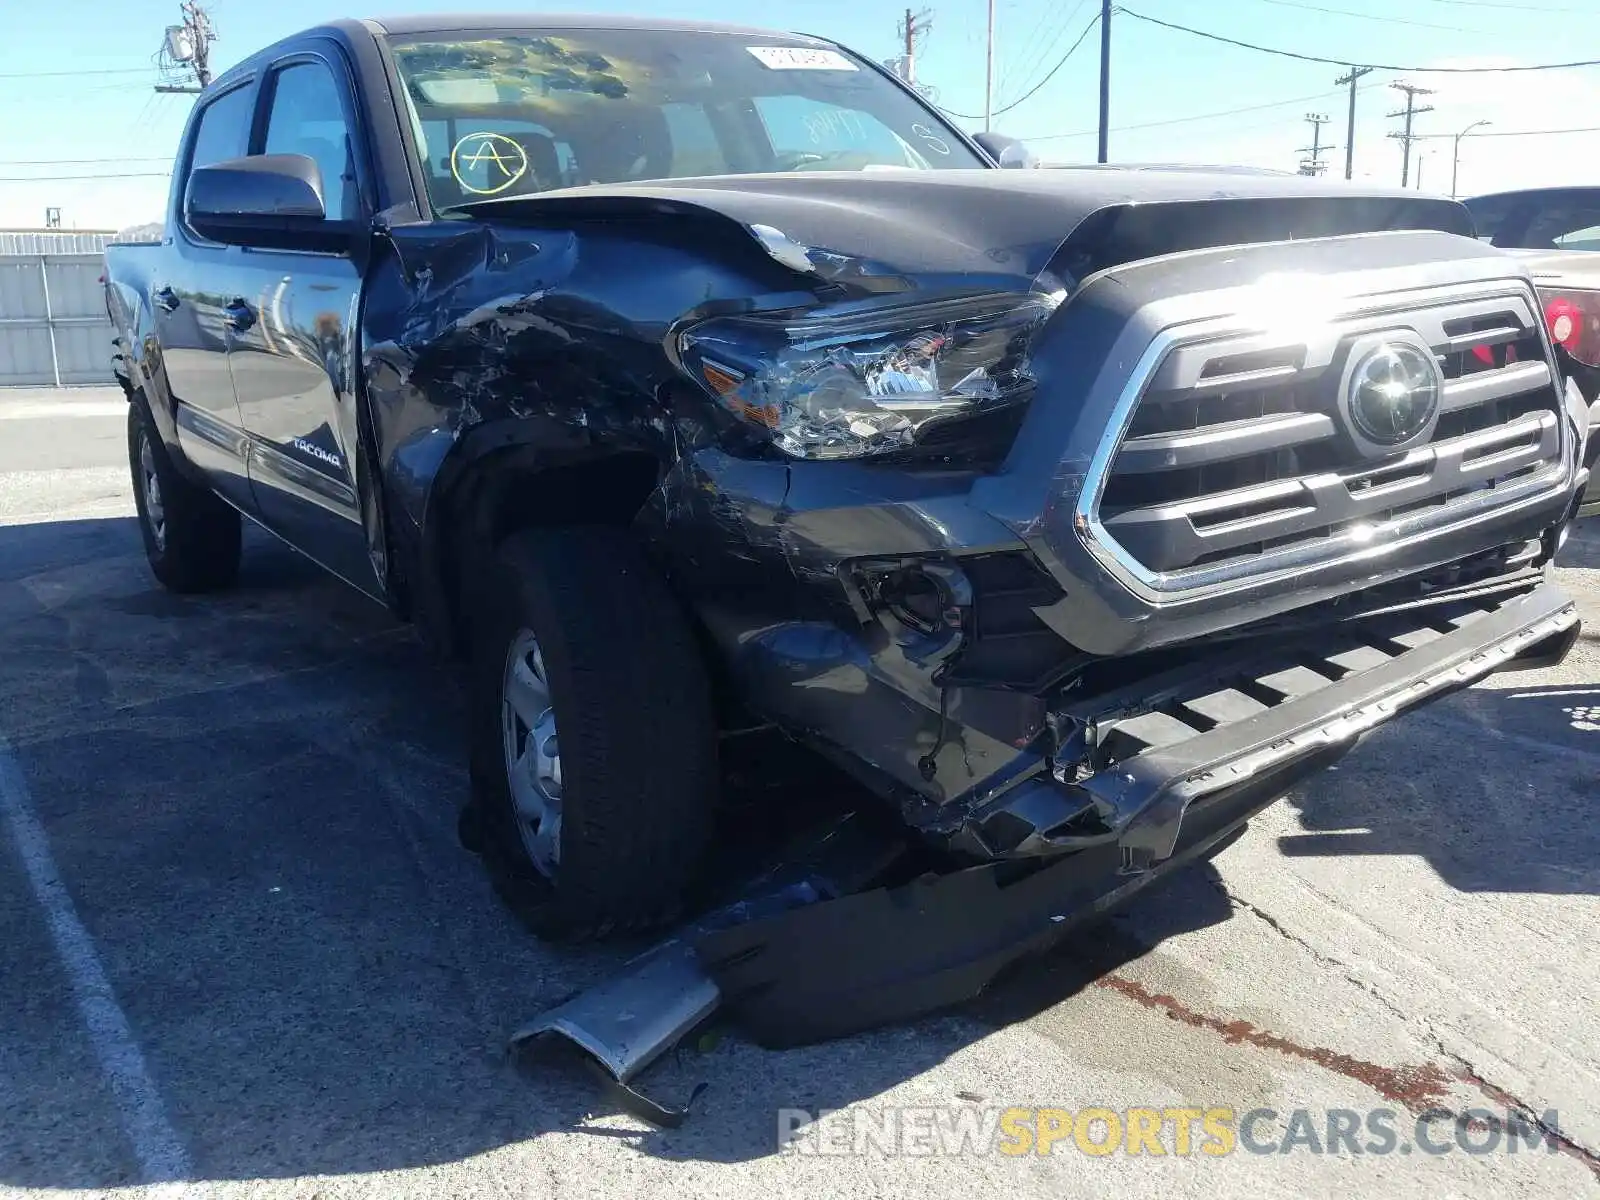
pixel 1235 458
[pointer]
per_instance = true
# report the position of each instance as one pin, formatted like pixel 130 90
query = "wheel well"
pixel 501 493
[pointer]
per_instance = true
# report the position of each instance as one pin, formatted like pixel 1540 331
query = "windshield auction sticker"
pixel 486 163
pixel 801 58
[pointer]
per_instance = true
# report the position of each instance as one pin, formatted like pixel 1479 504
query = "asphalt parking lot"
pixel 245 955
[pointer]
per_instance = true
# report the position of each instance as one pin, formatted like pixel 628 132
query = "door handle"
pixel 238 315
pixel 166 299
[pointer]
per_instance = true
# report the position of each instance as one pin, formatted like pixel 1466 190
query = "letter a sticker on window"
pixel 800 58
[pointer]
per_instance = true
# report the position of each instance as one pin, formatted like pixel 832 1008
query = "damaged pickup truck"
pixel 681 380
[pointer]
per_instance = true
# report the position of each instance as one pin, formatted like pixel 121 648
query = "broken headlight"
pixel 857 384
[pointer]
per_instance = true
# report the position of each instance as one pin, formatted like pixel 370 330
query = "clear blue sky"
pixel 1162 79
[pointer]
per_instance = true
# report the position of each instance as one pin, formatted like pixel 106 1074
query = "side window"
pixel 804 131
pixel 307 118
pixel 224 129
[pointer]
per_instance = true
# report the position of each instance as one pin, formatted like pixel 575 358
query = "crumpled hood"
pixel 1004 225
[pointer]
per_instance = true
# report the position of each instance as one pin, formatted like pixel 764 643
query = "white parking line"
pixel 162 1157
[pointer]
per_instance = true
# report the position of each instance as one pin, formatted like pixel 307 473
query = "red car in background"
pixel 1557 231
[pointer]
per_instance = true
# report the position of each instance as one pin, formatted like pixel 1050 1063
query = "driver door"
pixel 294 345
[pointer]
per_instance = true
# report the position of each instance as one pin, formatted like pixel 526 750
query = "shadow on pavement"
pixel 1497 793
pixel 251 798
pixel 1497 788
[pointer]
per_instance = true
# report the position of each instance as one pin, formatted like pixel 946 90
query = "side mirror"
pixel 1007 152
pixel 270 200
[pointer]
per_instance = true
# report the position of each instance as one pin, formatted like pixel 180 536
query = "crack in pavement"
pixel 1461 1069
pixel 1468 1074
pixel 1421 1088
pixel 1345 969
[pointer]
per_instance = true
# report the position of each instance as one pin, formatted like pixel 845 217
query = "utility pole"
pixel 988 78
pixel 1350 129
pixel 1411 110
pixel 185 57
pixel 913 29
pixel 1105 79
pixel 199 20
pixel 1314 165
pixel 1455 157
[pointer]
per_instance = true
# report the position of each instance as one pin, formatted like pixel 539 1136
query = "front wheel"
pixel 593 737
pixel 191 537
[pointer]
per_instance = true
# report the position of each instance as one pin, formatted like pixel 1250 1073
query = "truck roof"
pixel 442 22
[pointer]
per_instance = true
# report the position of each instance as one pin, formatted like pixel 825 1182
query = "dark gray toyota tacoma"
pixel 684 380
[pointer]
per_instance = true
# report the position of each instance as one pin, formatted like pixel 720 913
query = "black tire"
pixel 193 544
pixel 637 741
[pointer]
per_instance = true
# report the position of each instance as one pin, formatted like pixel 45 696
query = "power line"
pixel 71 178
pixel 1031 92
pixel 1342 62
pixel 1428 137
pixel 74 74
pixel 76 162
pixel 1345 12
pixel 1043 49
pixel 1208 116
pixel 1038 43
pixel 1513 7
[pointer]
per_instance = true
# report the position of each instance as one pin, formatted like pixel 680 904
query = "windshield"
pixel 509 114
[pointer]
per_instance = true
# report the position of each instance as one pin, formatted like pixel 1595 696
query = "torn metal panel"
pixel 630 1020
pixel 892 954
pixel 552 337
pixel 627 1022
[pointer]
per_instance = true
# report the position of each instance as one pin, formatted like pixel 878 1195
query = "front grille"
pixel 1238 457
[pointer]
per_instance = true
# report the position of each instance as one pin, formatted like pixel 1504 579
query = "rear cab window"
pixel 519 112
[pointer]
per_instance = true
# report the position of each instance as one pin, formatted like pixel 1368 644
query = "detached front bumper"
pixel 1129 768
pixel 825 957
pixel 887 954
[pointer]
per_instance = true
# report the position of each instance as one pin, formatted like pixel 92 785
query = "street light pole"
pixel 1455 157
